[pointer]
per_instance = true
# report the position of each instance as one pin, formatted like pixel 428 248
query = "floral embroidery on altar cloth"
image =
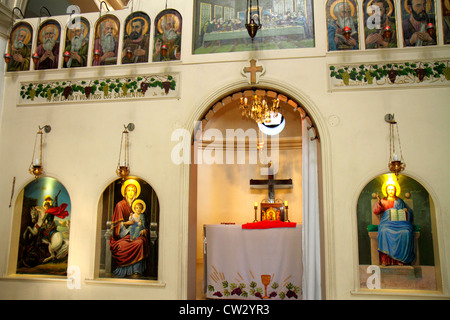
pixel 264 287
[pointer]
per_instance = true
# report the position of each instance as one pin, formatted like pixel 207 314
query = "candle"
pixel 36 162
pixel 395 157
pixel 256 204
pixel 124 164
pixel 286 203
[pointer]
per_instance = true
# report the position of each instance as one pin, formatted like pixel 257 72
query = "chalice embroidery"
pixel 265 279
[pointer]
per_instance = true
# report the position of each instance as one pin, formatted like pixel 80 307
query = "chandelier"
pixel 396 162
pixel 259 110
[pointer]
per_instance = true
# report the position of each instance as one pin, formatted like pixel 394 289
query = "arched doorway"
pixel 223 163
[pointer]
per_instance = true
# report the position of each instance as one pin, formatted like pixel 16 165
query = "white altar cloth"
pixel 236 261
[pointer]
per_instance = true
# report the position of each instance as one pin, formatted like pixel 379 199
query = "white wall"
pixel 82 152
pixel 3 43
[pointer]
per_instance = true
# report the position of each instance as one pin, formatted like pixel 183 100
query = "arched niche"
pixel 378 229
pixel 125 250
pixel 41 232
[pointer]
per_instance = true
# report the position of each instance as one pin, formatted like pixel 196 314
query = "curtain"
pixel 311 283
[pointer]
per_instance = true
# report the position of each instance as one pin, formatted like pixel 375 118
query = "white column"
pixel 5 26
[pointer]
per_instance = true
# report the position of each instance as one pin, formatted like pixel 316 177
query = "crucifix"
pixel 252 70
pixel 271 183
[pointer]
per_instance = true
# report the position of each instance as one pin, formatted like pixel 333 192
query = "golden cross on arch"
pixel 253 69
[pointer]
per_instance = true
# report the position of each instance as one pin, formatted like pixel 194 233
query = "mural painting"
pixel 129 230
pixel 106 41
pixel 77 44
pixel 44 228
pixel 47 48
pixel 342 25
pixel 419 23
pixel 446 20
pixel 219 26
pixel 380 24
pixel 19 48
pixel 167 40
pixel 396 235
pixel 136 38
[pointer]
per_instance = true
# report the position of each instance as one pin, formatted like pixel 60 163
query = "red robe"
pixel 125 251
pixel 59 212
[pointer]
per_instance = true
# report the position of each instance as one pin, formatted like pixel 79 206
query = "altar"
pixel 252 263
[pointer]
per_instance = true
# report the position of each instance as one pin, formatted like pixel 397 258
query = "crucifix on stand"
pixel 271 183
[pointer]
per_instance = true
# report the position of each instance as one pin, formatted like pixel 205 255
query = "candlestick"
pixel 256 212
pixel 287 216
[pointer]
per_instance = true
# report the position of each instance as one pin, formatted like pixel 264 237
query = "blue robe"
pixel 395 238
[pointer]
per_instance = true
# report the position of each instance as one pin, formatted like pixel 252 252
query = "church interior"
pixel 224 150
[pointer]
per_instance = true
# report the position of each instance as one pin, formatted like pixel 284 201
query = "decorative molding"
pixel 387 75
pixel 288 143
pixel 5 21
pixel 97 90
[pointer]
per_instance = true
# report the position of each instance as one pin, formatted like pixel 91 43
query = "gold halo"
pixel 20 26
pixel 104 19
pixel 391 180
pixel 447 4
pixel 133 182
pixel 177 22
pixel 42 28
pixel 70 32
pixel 352 8
pixel 144 29
pixel 428 6
pixel 135 202
pixel 391 7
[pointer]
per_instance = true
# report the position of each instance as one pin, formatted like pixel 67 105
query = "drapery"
pixel 311 283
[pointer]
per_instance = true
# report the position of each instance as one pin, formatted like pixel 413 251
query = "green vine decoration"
pixel 65 89
pixel 416 72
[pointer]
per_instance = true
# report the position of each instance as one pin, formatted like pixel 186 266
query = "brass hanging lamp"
pixel 123 164
pixel 253 19
pixel 396 162
pixel 36 166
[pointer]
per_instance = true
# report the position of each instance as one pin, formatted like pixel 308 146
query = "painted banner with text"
pixel 95 90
